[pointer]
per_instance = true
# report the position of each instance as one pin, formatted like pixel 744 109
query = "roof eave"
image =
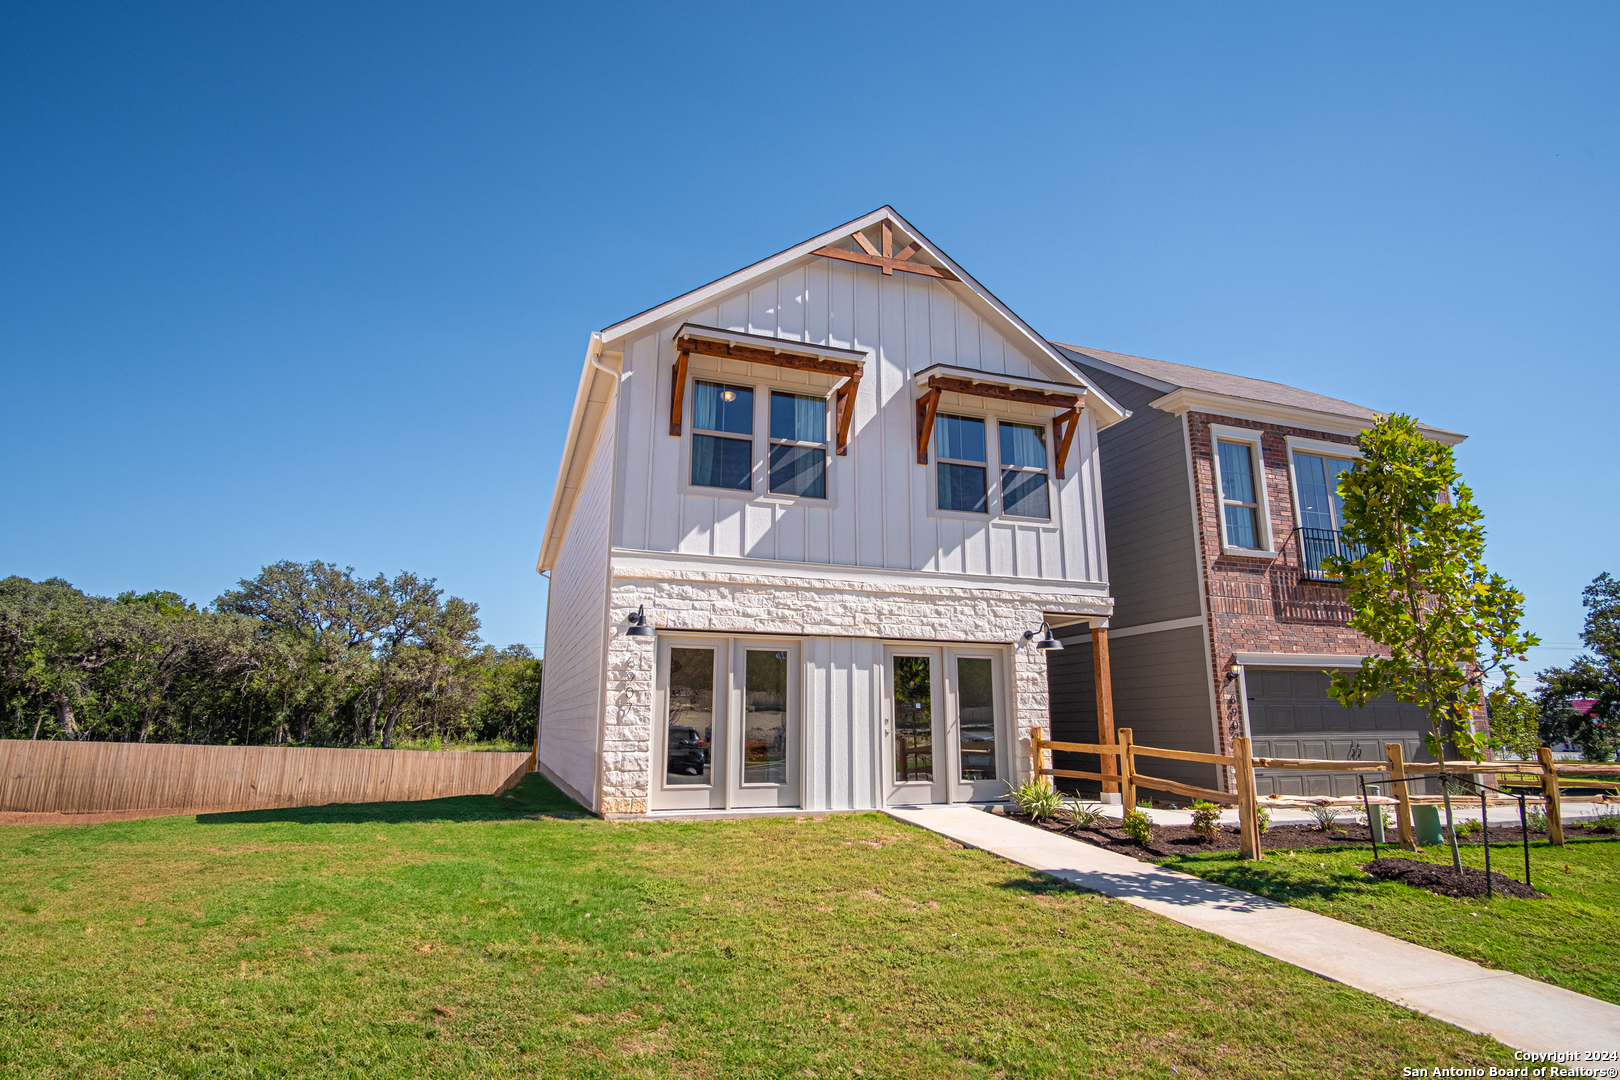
pixel 1185 399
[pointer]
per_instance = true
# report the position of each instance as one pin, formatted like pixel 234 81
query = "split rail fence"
pixel 152 779
pixel 1119 769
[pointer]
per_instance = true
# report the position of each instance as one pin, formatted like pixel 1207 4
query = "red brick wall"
pixel 1255 604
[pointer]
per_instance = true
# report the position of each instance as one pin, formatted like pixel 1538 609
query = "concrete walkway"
pixel 1516 1011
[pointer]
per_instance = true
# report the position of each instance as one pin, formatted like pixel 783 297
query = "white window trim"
pixel 1313 446
pixel 1045 428
pixel 825 446
pixel 995 509
pixel 992 490
pixel 1219 433
pixel 760 452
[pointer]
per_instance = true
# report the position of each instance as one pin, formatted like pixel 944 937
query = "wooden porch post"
pixel 1103 679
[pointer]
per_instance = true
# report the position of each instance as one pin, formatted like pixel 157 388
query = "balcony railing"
pixel 1316 546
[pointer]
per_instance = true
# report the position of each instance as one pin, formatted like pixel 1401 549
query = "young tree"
pixel 1595 676
pixel 1420 588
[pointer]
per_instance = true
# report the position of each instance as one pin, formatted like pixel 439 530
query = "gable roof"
pixel 1185 386
pixel 1110 411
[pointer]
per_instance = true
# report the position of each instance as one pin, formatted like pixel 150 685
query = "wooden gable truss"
pixel 887 260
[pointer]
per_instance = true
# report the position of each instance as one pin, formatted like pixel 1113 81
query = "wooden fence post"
pixel 1127 770
pixel 1248 799
pixel 1555 801
pixel 1394 752
pixel 1035 753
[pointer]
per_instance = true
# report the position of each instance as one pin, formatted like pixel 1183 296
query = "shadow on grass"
pixel 534 798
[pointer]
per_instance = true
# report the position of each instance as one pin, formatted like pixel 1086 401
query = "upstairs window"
pixel 1318 478
pixel 961 464
pixel 719 413
pixel 1023 470
pixel 1240 503
pixel 798 464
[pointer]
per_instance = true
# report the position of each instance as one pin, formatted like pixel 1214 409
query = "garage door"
pixel 1291 716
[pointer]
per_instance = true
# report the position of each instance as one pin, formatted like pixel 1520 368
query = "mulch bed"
pixel 1444 880
pixel 1169 841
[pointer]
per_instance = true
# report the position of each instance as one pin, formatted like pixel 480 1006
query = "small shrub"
pixel 1606 822
pixel 1464 829
pixel 1086 815
pixel 1206 819
pixel 1264 817
pixel 1327 817
pixel 1036 799
pixel 1138 826
pixel 1536 820
pixel 1145 804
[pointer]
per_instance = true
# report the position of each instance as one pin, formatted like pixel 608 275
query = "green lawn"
pixel 514 937
pixel 1572 939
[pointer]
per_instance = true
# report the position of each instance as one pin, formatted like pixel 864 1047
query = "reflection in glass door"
pixel 975 728
pixel 765 718
pixel 913 725
pixel 913 720
pixel 689 743
pixel 688 757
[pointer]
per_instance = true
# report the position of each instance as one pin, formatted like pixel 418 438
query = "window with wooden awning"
pixel 758 349
pixel 933 382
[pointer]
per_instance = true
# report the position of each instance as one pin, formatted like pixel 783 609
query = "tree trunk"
pixel 146 729
pixel 39 718
pixel 303 728
pixel 371 721
pixel 64 718
pixel 388 729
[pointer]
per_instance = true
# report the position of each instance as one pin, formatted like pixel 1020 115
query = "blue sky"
pixel 315 281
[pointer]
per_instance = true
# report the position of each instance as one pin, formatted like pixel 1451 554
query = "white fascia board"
pixel 720 286
pixel 1298 660
pixel 990 378
pixel 584 425
pixel 770 344
pixel 1184 400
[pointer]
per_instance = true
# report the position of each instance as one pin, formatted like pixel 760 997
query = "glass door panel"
pixel 975 728
pixel 914 754
pixel 765 718
pixel 689 745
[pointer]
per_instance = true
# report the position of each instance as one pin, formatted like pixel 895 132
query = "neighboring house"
pixel 847 487
pixel 1222 503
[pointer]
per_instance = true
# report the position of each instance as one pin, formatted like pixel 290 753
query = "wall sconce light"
pixel 1234 671
pixel 638 624
pixel 1045 640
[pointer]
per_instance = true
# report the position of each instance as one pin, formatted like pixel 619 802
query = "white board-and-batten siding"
pixel 577 627
pixel 880 507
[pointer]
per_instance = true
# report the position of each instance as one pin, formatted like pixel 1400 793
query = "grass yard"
pixel 514 937
pixel 1572 939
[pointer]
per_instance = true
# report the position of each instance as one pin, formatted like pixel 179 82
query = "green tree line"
pixel 303 653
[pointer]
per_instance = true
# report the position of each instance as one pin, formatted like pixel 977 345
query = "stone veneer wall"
pixel 726 603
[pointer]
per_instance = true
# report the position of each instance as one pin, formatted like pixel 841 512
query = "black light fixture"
pixel 638 624
pixel 1234 671
pixel 1045 640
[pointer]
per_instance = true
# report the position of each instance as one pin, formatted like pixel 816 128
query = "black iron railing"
pixel 1316 546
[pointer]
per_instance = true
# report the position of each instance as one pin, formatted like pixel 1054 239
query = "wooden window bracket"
pixel 677 396
pixel 927 407
pixel 1063 426
pixel 844 410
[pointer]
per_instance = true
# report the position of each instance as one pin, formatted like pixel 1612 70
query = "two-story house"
pixel 812 525
pixel 1222 503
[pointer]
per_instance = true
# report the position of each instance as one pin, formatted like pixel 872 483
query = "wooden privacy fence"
pixel 1119 767
pixel 154 778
